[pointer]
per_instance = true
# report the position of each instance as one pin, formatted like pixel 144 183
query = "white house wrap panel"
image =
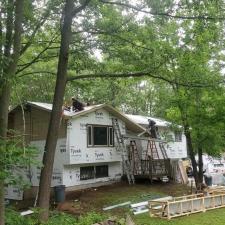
pixel 176 148
pixel 86 151
pixel 79 150
pixel 73 152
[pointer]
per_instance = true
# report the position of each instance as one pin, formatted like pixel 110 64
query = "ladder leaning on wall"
pixel 158 159
pixel 122 147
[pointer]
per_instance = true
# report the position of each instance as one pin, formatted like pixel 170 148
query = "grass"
pixel 213 217
pixel 96 199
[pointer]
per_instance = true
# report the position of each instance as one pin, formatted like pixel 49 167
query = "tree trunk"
pixel 4 102
pixel 51 141
pixel 8 73
pixel 2 209
pixel 200 168
pixel 192 154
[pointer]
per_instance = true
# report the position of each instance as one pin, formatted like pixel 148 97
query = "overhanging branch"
pixel 128 75
pixel 37 72
pixel 137 74
pixel 163 14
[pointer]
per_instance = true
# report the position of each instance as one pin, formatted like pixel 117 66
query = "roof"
pixel 130 124
pixel 143 120
pixel 48 107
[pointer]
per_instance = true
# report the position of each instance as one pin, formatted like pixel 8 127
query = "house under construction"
pixel 96 146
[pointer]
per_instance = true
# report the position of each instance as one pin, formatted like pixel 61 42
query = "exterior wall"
pixel 72 153
pixel 174 150
pixel 61 158
pixel 14 193
pixel 36 123
pixel 78 150
pixel 71 174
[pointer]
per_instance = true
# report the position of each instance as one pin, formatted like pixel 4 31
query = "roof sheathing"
pixel 143 120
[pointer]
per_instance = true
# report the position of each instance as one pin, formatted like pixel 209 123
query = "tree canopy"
pixel 150 57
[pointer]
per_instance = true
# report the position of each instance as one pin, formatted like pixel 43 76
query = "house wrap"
pixel 87 153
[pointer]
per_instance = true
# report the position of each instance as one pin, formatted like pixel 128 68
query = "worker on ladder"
pixel 152 128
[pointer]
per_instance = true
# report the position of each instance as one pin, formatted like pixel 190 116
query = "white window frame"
pixel 90 128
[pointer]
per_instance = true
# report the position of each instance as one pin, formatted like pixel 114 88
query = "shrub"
pixel 56 218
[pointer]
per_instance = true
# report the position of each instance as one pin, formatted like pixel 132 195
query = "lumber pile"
pixel 186 205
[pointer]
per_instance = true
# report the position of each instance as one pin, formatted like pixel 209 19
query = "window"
pixel 111 136
pixel 89 135
pixel 91 172
pixel 98 135
pixel 87 173
pixel 101 171
pixel 218 165
pixel 178 136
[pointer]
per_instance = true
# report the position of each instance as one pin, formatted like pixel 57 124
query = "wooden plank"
pixel 183 173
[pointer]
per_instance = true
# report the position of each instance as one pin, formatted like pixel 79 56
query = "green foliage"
pixel 90 218
pixel 14 218
pixel 15 159
pixel 56 218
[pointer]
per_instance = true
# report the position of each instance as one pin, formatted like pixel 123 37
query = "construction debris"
pixel 183 173
pixel 142 207
pixel 27 212
pixel 116 206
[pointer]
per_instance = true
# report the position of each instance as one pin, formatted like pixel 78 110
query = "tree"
pixel 9 60
pixel 193 106
pixel 49 152
pixel 16 17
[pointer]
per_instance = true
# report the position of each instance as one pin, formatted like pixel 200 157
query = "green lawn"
pixel 213 217
pixel 96 199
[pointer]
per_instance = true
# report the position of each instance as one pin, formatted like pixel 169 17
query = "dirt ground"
pixel 94 199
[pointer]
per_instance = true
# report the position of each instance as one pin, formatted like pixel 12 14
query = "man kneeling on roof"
pixel 77 105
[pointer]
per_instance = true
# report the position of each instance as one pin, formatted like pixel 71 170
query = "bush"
pixel 56 218
pixel 14 218
pixel 61 218
pixel 90 218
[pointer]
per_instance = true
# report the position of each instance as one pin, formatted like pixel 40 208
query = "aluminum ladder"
pixel 122 148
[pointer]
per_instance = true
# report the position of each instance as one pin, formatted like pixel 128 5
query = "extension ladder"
pixel 122 147
pixel 135 158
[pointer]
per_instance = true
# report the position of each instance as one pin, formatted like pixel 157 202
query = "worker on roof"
pixel 77 105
